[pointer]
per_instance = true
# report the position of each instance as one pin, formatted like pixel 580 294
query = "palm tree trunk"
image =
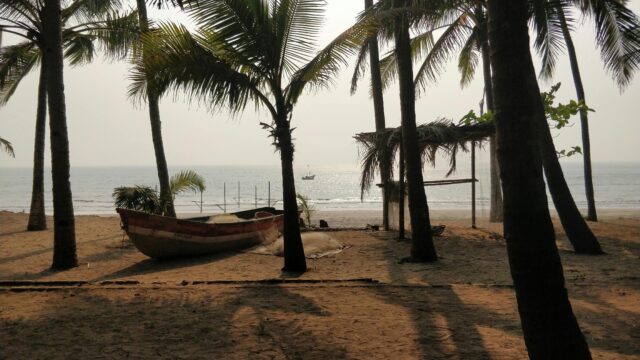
pixel 495 209
pixel 294 259
pixel 422 247
pixel 64 234
pixel 37 218
pixel 550 329
pixel 166 199
pixel 584 120
pixel 378 108
pixel 577 230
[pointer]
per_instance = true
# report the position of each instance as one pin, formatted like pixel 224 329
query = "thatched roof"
pixel 441 135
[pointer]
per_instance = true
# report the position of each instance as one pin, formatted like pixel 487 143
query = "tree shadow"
pixel 150 265
pixel 257 322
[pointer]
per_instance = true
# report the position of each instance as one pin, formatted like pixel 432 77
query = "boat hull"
pixel 163 237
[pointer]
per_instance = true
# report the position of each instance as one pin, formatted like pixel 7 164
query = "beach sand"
pixel 359 304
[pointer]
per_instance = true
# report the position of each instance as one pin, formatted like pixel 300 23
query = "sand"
pixel 358 304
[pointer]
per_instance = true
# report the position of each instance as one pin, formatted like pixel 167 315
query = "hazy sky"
pixel 107 129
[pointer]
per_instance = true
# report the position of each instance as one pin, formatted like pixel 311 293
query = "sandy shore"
pixel 359 304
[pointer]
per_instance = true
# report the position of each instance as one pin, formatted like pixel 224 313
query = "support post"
pixel 401 200
pixel 473 184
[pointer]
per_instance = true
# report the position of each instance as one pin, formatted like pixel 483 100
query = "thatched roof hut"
pixel 441 135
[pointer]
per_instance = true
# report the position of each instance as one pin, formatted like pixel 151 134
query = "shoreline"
pixel 364 217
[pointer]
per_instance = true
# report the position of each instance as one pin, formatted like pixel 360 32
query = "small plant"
pixel 306 207
pixel 144 198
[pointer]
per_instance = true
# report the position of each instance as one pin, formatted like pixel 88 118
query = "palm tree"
pixel 616 35
pixel 85 23
pixel 156 126
pixel 246 50
pixel 422 248
pixel 64 230
pixel 378 107
pixel 550 329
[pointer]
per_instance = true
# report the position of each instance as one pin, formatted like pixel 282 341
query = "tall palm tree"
pixel 550 329
pixel 378 107
pixel 64 230
pixel 245 51
pixel 422 247
pixel 617 37
pixel 85 23
pixel 166 200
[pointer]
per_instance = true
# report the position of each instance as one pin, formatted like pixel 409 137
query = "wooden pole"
pixel 473 184
pixel 401 200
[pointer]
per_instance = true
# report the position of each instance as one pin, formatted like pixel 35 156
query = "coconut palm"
pixel 245 51
pixel 617 37
pixel 371 46
pixel 422 247
pixel 549 326
pixel 86 23
pixel 43 26
pixel 156 126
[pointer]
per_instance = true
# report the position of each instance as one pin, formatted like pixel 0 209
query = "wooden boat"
pixel 164 237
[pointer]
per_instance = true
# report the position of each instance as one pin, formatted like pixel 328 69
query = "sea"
pixel 334 188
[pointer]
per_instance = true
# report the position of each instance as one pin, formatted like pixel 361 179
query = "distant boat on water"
pixel 309 176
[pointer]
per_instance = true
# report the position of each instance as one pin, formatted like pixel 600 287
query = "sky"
pixel 107 129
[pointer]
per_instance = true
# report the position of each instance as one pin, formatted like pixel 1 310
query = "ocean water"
pixel 617 185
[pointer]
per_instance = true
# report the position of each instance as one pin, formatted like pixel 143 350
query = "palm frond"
pixel 20 12
pixel 299 22
pixel 469 58
pixel 116 34
pixel 140 198
pixel 186 180
pixel 176 59
pixel 241 29
pixel 16 61
pixel 549 37
pixel 360 66
pixel 617 36
pixel 453 38
pixel 6 146
pixel 86 11
pixel 321 70
pixel 79 49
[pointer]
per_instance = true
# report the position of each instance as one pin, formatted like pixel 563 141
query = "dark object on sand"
pixel 324 224
pixel 437 230
pixel 164 237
